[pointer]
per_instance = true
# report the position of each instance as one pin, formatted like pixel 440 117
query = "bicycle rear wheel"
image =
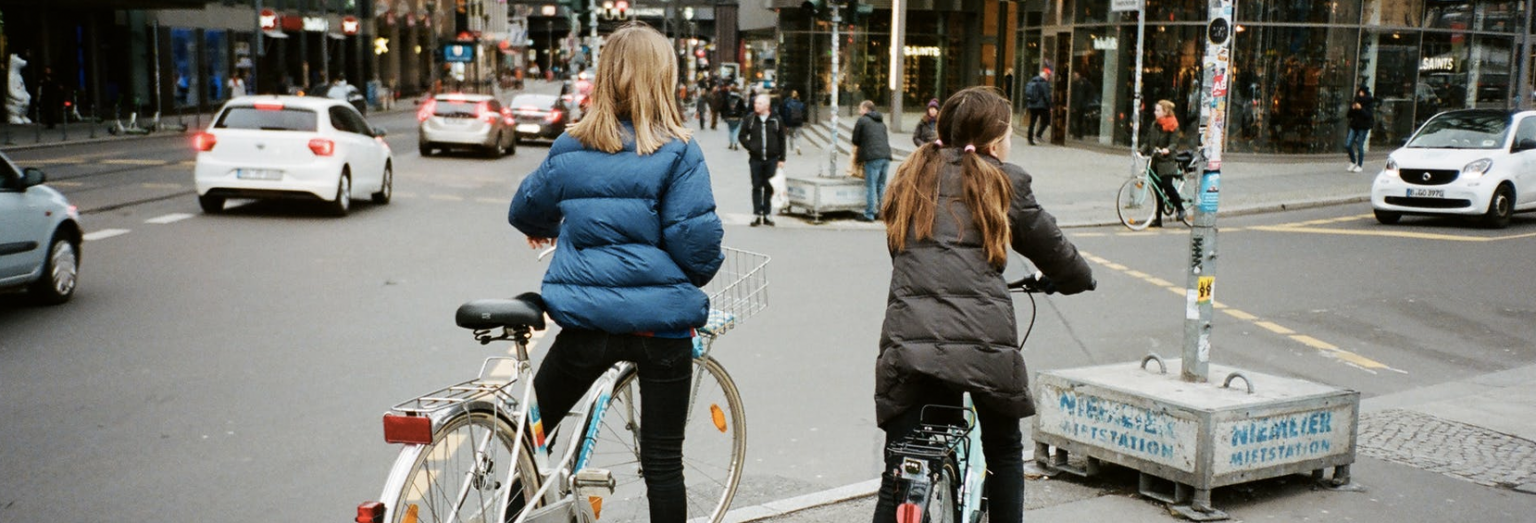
pixel 1189 189
pixel 1136 203
pixel 714 446
pixel 467 458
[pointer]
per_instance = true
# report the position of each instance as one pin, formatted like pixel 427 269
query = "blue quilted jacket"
pixel 638 235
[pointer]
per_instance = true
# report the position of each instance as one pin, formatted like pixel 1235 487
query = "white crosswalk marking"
pixel 169 218
pixel 104 234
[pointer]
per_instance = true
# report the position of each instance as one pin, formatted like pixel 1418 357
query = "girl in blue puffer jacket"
pixel 628 195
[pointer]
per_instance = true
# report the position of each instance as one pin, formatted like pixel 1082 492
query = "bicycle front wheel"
pixel 1136 203
pixel 459 476
pixel 714 446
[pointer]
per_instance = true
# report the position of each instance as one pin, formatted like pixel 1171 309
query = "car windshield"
pixel 463 108
pixel 542 102
pixel 285 119
pixel 1463 130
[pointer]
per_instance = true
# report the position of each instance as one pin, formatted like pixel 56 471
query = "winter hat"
pixel 934 103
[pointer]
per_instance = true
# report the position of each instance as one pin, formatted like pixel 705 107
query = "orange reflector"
pixel 718 415
pixel 407 429
pixel 410 513
pixel 597 506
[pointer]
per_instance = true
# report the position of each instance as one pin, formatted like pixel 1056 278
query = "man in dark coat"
pixel 872 147
pixel 1037 97
pixel 763 136
pixel 1362 116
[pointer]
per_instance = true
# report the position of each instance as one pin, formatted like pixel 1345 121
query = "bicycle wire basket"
pixel 739 290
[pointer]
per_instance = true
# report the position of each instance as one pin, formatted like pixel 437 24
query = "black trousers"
pixel 1001 441
pixel 1040 118
pixel 1168 183
pixel 579 357
pixel 762 190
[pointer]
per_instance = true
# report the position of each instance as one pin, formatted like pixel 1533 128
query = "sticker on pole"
pixel 1207 288
pixel 1210 191
pixel 1219 31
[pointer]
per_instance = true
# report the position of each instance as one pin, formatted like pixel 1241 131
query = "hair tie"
pixel 970 148
pixel 940 142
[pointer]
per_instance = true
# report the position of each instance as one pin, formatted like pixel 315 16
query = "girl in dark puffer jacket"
pixel 951 214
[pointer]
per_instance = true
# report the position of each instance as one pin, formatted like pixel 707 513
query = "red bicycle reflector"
pixel 269 106
pixel 204 142
pixel 322 147
pixel 370 512
pixel 407 429
pixel 909 513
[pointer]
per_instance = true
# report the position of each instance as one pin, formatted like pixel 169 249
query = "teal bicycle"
pixel 1140 198
pixel 943 469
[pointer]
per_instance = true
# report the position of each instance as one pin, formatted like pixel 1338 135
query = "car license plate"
pixel 1426 193
pixel 258 174
pixel 529 128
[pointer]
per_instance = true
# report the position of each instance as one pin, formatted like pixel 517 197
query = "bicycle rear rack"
pixel 498 392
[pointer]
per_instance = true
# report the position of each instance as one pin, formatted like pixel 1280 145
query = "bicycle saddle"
pixel 526 310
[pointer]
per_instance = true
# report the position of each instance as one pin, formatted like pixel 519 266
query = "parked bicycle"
pixel 477 451
pixel 1139 199
pixel 943 469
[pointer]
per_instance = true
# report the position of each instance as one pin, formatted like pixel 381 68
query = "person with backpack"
pixel 735 109
pixel 793 113
pixel 1037 97
pixel 955 210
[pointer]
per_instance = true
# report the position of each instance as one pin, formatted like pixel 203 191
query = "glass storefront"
pixel 1297 66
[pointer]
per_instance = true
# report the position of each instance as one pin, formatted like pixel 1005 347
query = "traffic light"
pixel 815 8
pixel 622 6
pixel 856 11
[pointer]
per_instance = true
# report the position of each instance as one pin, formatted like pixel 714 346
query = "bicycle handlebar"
pixel 1034 283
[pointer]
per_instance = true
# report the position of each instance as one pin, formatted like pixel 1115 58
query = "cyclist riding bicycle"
pixel 951 214
pixel 628 194
pixel 1161 146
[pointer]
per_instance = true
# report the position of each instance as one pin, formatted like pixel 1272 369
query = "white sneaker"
pixel 1350 169
pixel 1359 168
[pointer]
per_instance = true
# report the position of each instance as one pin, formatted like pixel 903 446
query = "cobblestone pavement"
pixel 1448 447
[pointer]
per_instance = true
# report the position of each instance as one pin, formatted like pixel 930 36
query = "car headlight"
pixel 1391 164
pixel 1476 169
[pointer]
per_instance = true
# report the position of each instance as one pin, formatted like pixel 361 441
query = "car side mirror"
pixel 379 132
pixel 1525 144
pixel 33 176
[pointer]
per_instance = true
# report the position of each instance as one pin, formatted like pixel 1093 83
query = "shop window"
pixel 1301 12
pixel 1389 66
pixel 1291 88
pixel 216 67
pixel 1393 13
pixel 185 83
pixel 1448 14
pixel 1442 69
pixel 1178 10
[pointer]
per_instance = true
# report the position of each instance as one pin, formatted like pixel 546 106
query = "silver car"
pixel 475 121
pixel 39 236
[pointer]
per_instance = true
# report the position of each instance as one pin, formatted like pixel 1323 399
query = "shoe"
pixel 1350 169
pixel 797 149
pixel 1158 224
pixel 1031 141
pixel 757 221
pixel 768 221
pixel 1181 216
pixel 1359 168
pixel 865 219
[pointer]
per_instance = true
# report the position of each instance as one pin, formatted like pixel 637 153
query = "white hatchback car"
pixel 291 147
pixel 39 236
pixel 1475 162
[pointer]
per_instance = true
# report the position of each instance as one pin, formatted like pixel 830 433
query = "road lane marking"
pixel 188 163
pixel 447 197
pixel 1318 222
pixel 1138 274
pixel 1274 327
pixel 169 218
pixel 1090 234
pixel 127 161
pixel 1158 281
pixel 103 234
pixel 66 184
pixel 1328 349
pixel 55 161
pixel 1396 234
pixel 160 185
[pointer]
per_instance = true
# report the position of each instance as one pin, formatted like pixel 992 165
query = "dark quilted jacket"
pixel 949 316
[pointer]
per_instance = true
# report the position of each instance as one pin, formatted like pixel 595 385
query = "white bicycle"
pixel 477 452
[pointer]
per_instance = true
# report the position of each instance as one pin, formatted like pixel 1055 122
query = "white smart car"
pixel 1475 162
pixel 291 147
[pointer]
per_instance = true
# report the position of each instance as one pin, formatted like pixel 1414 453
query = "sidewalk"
pixel 1078 184
pixel 1459 451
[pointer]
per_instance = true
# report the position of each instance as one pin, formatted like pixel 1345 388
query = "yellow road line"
pixel 1090 234
pixel 1274 327
pixel 399 194
pixel 133 162
pixel 1240 315
pixel 1158 281
pixel 1138 274
pixel 1395 234
pixel 1115 266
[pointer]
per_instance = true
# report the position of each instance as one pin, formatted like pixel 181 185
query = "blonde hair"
pixel 1167 106
pixel 635 82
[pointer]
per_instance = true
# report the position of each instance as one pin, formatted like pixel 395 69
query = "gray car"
pixel 40 237
pixel 474 121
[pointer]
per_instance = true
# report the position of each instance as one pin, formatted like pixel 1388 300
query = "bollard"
pixel 93 122
pixel 65 124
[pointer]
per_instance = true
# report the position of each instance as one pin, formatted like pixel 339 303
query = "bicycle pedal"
pixel 593 478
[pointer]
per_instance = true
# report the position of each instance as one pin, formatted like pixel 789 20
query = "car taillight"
pixel 426 110
pixel 483 112
pixel 322 147
pixel 204 142
pixel 554 116
pixel 407 429
pixel 269 106
pixel 506 116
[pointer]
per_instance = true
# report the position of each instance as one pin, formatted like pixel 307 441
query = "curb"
pixel 1262 208
pixel 88 141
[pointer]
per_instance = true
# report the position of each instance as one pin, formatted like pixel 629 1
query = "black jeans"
pixel 1169 184
pixel 579 357
pixel 1001 441
pixel 1041 118
pixel 762 191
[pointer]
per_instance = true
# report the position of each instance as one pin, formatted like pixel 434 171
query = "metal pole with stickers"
pixel 1201 282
